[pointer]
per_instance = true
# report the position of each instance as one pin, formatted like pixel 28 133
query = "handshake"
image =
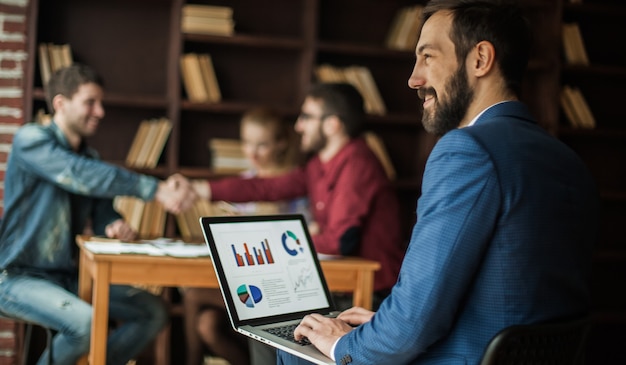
pixel 177 193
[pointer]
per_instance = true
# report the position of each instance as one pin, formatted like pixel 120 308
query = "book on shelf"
pixel 147 218
pixel 208 11
pixel 361 78
pixel 131 208
pixel 148 143
pixel 199 78
pixel 207 19
pixel 152 220
pixel 576 108
pixel 573 45
pixel 53 57
pixel 403 32
pixel 209 78
pixel 189 221
pixel 227 156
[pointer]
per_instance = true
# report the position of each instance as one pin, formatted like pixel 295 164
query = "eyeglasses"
pixel 306 117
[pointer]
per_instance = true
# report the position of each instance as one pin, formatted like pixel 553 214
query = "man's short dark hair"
pixel 67 80
pixel 344 101
pixel 500 22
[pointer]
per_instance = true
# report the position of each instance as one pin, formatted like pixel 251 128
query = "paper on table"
pixel 115 248
pixel 149 247
pixel 185 250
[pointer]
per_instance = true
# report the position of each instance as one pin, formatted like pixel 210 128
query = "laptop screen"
pixel 267 267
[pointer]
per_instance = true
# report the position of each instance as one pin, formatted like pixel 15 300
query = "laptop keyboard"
pixel 286 332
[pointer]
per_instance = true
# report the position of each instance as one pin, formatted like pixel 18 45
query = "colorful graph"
pixel 290 236
pixel 249 295
pixel 258 257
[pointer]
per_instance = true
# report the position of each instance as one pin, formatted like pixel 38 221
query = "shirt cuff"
pixel 332 349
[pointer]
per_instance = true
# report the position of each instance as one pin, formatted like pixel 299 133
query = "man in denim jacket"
pixel 56 188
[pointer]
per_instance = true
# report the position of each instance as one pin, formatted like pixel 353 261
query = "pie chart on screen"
pixel 249 295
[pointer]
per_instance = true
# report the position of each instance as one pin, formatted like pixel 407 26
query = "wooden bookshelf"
pixel 270 60
pixel 604 150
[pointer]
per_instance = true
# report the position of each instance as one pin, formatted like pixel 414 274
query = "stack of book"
pixel 403 32
pixel 199 78
pixel 148 143
pixel 53 57
pixel 361 78
pixel 207 19
pixel 576 108
pixel 189 221
pixel 573 45
pixel 227 156
pixel 147 218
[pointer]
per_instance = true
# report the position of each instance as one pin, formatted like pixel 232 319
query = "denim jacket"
pixel 50 193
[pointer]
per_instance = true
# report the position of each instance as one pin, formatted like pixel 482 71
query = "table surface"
pixel 98 271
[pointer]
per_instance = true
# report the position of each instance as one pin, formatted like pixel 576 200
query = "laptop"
pixel 270 277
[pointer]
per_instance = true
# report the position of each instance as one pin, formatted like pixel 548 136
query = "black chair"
pixel 28 330
pixel 553 343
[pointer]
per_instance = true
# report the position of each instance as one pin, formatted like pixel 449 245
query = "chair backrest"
pixel 546 343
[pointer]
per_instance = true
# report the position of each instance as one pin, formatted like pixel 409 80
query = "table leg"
pixel 363 289
pixel 100 319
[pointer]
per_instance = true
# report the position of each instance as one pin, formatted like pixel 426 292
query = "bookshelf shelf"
pixel 253 41
pixel 596 70
pixel 596 133
pixel 120 99
pixel 366 50
pixel 410 120
pixel 604 150
pixel 230 107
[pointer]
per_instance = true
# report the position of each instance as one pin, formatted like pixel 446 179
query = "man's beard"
pixel 447 115
pixel 316 144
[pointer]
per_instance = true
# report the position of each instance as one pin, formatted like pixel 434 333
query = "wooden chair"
pixel 28 330
pixel 554 343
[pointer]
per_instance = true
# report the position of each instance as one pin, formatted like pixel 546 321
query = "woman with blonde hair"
pixel 271 146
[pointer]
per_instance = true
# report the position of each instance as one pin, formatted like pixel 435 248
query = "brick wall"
pixel 13 55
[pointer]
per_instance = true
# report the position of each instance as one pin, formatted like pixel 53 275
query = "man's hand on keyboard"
pixel 321 331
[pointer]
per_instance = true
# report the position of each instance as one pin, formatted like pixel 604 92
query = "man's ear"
pixel 331 125
pixel 482 59
pixel 57 103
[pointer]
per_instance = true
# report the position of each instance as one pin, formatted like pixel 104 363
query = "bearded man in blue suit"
pixel 507 216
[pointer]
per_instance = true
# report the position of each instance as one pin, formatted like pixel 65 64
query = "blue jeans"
pixel 52 302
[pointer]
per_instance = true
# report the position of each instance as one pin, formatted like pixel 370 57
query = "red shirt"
pixel 351 200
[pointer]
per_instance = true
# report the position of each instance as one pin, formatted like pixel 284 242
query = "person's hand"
pixel 321 331
pixel 202 188
pixel 120 229
pixel 356 316
pixel 176 194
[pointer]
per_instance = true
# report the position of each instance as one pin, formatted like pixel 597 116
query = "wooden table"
pixel 98 271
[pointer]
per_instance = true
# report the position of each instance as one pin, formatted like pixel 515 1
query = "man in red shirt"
pixel 354 207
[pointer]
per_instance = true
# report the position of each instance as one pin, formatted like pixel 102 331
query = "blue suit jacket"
pixel 506 223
